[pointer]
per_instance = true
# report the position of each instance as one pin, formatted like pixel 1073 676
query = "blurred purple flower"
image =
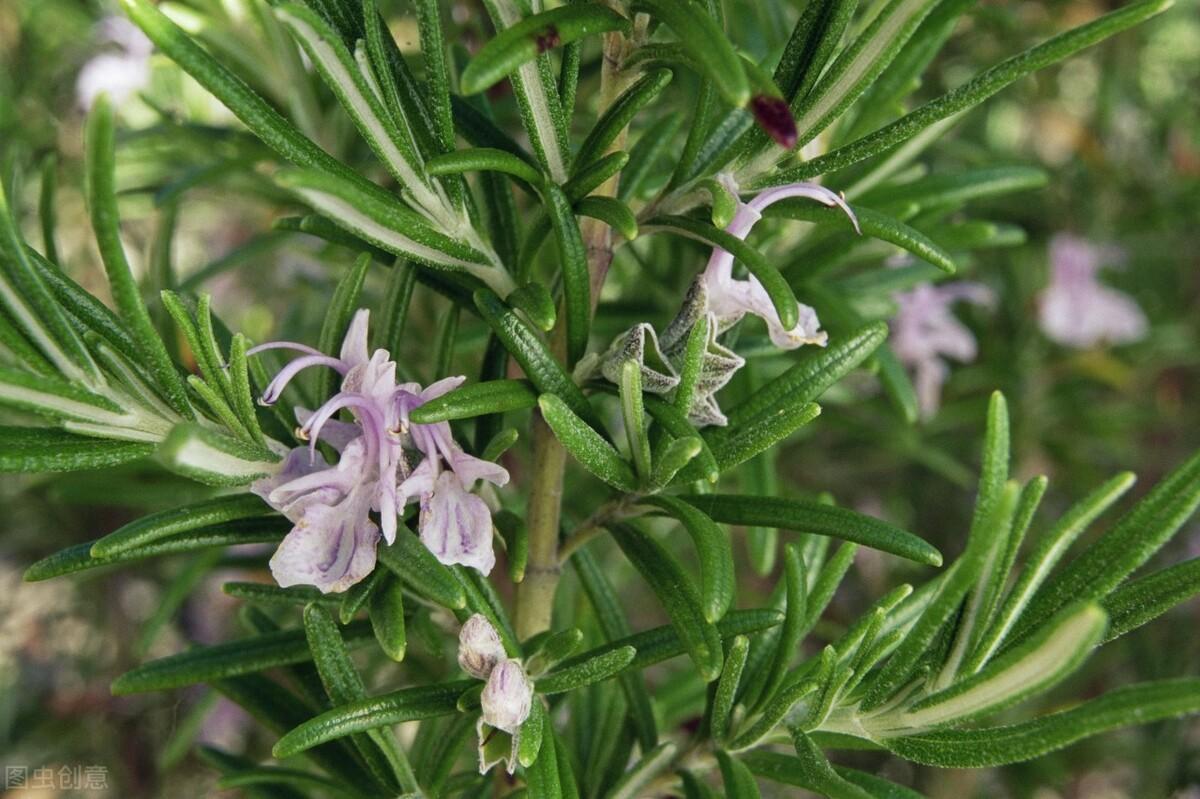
pixel 120 73
pixel 729 299
pixel 332 545
pixel 1076 309
pixel 925 333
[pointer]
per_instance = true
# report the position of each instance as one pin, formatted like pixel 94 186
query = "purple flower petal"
pixel 332 547
pixel 456 525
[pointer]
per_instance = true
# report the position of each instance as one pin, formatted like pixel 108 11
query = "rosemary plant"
pixel 499 516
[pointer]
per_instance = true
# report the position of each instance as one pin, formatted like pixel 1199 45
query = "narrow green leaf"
pixel 484 159
pixel 338 314
pixel 705 43
pixel 390 139
pixel 537 97
pixel 214 459
pixel 611 212
pixel 401 282
pixel 1147 598
pixel 24 294
pixel 1140 703
pixel 535 302
pixel 543 779
pixel 273 594
pixel 1040 662
pixel 1050 548
pixel 378 218
pixel 671 458
pixel 476 399
pixel 585 670
pixel 163 524
pixel 407 704
pixel 531 353
pixel 576 282
pixel 47 208
pixel 586 445
pixel 230 659
pixel 416 566
pixel 515 533
pixel 748 440
pixel 1130 543
pixel 532 36
pixel 678 596
pixel 870 223
pixel 39 449
pixel 739 782
pixel 592 176
pixel 731 675
pixel 808 769
pixel 386 612
pixel 613 624
pixel 619 114
pixel 815 518
pixel 344 685
pixel 973 91
pixel 258 115
pixel 529 742
pixel 266 529
pixel 633 413
pixel 713 549
pixel 964 574
pixel 678 427
pixel 791 633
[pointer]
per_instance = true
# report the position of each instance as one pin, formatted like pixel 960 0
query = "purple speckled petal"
pixel 456 525
pixel 332 547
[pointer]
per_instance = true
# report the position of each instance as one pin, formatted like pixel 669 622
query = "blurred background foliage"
pixel 1117 129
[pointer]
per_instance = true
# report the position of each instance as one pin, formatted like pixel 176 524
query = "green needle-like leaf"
pixel 589 447
pixel 477 399
pixel 678 596
pixel 532 36
pixel 713 549
pixel 231 659
pixel 408 704
pixel 816 518
pixel 973 91
pixel 1141 703
pixel 705 43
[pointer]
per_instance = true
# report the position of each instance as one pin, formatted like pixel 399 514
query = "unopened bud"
pixel 507 697
pixel 479 647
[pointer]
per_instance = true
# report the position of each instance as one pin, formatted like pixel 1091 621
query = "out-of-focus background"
pixel 1116 129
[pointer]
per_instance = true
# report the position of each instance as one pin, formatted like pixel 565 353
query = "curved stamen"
pixel 280 381
pixel 284 345
pixel 370 417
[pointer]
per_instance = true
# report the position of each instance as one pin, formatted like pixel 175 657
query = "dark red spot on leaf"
pixel 774 117
pixel 548 39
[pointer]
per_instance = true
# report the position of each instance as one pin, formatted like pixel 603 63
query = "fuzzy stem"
pixel 535 594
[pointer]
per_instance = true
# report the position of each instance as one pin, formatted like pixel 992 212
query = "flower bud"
pixel 479 647
pixel 507 697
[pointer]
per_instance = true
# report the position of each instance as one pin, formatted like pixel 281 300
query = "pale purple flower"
pixel 121 73
pixel 925 332
pixel 479 647
pixel 1076 309
pixel 730 299
pixel 332 545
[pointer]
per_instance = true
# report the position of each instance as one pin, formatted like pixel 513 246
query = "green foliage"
pixel 646 467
